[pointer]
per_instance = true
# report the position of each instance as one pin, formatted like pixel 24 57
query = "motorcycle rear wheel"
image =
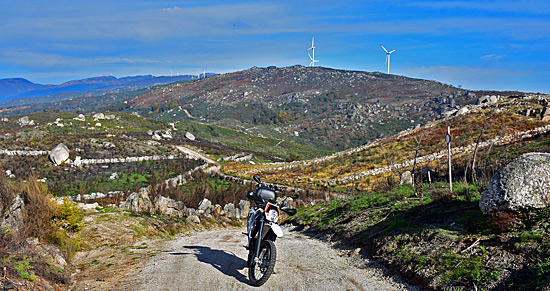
pixel 258 273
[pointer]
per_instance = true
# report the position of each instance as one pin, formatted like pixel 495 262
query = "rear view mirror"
pixel 290 211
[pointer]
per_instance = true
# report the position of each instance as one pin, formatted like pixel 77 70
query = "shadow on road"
pixel 225 262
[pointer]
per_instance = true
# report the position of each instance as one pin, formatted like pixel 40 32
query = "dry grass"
pixel 40 212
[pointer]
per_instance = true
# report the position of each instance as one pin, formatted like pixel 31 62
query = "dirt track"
pixel 216 260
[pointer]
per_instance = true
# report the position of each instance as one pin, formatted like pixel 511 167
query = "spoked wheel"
pixel 259 272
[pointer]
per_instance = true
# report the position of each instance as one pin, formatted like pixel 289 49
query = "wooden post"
pixel 448 139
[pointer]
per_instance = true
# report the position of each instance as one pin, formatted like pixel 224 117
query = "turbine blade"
pixel 391 52
pixel 309 56
pixel 387 57
pixel 384 48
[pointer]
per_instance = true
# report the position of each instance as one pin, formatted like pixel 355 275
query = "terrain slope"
pixel 327 108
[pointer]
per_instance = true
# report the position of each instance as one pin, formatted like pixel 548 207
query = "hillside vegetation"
pixel 318 107
pixel 440 240
pixel 504 130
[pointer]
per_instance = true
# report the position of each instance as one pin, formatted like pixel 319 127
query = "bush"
pixel 40 211
pixel 70 216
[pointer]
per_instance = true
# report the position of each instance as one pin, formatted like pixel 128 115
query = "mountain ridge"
pixel 334 109
pixel 20 91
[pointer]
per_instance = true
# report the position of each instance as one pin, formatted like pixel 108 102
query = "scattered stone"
pixel 522 185
pixel 244 206
pixel 449 113
pixel 24 121
pixel 462 110
pixel 9 174
pixel 78 161
pixel 189 136
pixel 229 210
pixel 406 178
pixel 80 117
pixel 59 154
pixel 487 99
pixel 194 219
pixel 205 204
pixel 98 116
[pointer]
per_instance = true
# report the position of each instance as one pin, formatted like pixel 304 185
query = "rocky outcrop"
pixel 11 213
pixel 142 201
pixel 59 154
pixel 24 121
pixel 524 184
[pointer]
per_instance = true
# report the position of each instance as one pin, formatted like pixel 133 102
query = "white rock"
pixel 523 184
pixel 59 154
pixel 189 136
pixel 462 110
pixel 98 116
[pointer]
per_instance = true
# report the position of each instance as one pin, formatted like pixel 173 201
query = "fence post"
pixel 448 140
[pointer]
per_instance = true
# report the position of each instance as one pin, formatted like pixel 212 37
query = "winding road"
pixel 216 260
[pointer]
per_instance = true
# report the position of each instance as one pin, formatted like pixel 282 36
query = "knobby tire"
pixel 268 254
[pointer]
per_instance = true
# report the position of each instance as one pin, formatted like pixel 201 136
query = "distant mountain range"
pixel 19 91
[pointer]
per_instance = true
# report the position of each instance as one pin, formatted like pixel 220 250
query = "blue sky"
pixel 501 45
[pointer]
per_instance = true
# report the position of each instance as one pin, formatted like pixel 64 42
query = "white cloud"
pixel 174 9
pixel 492 57
pixel 536 7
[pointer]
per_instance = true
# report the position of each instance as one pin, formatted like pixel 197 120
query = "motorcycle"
pixel 262 231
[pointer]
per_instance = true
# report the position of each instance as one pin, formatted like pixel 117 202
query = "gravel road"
pixel 216 260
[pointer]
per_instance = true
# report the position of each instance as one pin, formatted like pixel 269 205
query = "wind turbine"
pixel 312 56
pixel 387 57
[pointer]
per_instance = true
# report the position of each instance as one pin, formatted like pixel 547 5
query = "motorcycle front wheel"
pixel 259 272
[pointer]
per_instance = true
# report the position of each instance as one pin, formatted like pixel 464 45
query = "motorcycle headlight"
pixel 272 215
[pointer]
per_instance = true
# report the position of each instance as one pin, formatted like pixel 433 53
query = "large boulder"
pixel 244 206
pixel 59 154
pixel 189 136
pixel 138 202
pixel 229 210
pixel 524 184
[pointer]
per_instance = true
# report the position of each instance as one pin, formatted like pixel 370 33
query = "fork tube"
pixel 259 238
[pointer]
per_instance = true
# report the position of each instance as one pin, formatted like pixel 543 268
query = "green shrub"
pixel 22 267
pixel 71 216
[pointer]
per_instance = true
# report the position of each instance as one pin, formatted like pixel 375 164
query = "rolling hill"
pixel 320 107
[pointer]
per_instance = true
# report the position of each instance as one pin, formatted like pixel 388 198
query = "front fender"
pixel 269 231
pixel 277 230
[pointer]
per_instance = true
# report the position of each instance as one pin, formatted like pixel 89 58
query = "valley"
pixel 344 140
